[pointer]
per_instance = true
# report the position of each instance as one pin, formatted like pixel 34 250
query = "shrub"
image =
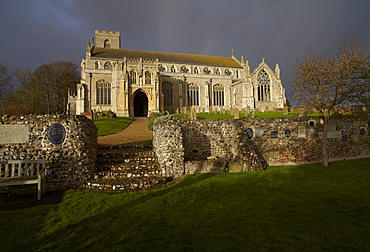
pixel 105 114
pixel 151 119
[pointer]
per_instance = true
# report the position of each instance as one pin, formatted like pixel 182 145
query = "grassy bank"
pixel 108 126
pixel 298 208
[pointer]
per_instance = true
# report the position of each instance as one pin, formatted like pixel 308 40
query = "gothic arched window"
pixel 228 72
pixel 206 70
pixel 108 65
pixel 184 69
pixel 218 96
pixel 96 65
pixel 193 95
pixel 196 71
pixel 173 69
pixel 218 72
pixel 167 93
pixel 161 68
pixel 106 44
pixel 103 92
pixel 263 90
pixel 148 79
pixel 132 77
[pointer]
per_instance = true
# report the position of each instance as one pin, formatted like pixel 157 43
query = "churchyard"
pixel 284 208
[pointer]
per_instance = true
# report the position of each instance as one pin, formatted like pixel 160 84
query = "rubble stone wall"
pixel 69 163
pixel 253 144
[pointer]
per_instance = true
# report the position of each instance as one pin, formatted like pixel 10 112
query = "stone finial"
pixel 277 71
pixel 232 52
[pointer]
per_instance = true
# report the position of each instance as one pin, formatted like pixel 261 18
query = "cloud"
pixel 56 14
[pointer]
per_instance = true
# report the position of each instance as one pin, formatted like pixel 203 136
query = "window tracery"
pixel 228 72
pixel 132 77
pixel 148 79
pixel 218 95
pixel 173 69
pixel 167 93
pixel 184 69
pixel 108 66
pixel 206 70
pixel 263 90
pixel 193 95
pixel 161 68
pixel 103 92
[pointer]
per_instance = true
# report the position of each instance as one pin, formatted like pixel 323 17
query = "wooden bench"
pixel 23 172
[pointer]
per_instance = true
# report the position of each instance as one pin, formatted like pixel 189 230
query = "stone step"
pixel 126 184
pixel 130 174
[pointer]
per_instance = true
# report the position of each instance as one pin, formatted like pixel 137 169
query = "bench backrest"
pixel 21 168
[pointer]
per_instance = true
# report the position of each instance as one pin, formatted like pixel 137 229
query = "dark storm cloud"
pixel 34 32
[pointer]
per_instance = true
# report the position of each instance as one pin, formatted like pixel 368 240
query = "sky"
pixel 35 32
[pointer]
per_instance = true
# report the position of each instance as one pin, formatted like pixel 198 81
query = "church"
pixel 137 83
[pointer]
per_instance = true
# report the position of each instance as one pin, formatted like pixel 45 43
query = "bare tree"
pixel 45 90
pixel 326 80
pixel 5 82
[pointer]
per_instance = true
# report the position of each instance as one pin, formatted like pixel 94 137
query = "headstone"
pixel 267 109
pixel 253 114
pixel 236 113
pixel 286 110
pixel 362 132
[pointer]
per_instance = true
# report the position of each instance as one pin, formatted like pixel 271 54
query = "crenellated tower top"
pixel 107 39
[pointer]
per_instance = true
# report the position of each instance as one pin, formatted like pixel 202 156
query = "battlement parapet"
pixel 104 32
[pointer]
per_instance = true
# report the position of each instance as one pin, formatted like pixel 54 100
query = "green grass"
pixel 298 208
pixel 108 126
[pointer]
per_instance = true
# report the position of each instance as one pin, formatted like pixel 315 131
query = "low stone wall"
pixel 69 163
pixel 252 144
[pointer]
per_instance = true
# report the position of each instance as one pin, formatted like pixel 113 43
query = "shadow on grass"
pixel 21 199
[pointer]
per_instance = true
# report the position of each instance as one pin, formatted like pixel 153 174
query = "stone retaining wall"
pixel 69 163
pixel 252 144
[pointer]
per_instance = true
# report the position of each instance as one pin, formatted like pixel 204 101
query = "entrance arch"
pixel 140 104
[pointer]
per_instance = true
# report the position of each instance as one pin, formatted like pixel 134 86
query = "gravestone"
pixel 286 109
pixel 236 113
pixel 253 115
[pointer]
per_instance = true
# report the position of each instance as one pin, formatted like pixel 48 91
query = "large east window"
pixel 263 90
pixel 103 92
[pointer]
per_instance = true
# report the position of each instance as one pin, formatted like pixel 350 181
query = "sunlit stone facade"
pixel 138 83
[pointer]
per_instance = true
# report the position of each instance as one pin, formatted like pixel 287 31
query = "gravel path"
pixel 136 132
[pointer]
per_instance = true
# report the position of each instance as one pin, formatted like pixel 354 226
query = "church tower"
pixel 108 39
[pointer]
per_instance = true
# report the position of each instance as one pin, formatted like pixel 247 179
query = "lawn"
pixel 108 126
pixel 297 208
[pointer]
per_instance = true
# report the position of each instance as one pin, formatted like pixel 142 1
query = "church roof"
pixel 163 57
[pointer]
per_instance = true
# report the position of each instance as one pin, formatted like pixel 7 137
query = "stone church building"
pixel 138 83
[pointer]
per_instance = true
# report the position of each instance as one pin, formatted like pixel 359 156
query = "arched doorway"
pixel 140 104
